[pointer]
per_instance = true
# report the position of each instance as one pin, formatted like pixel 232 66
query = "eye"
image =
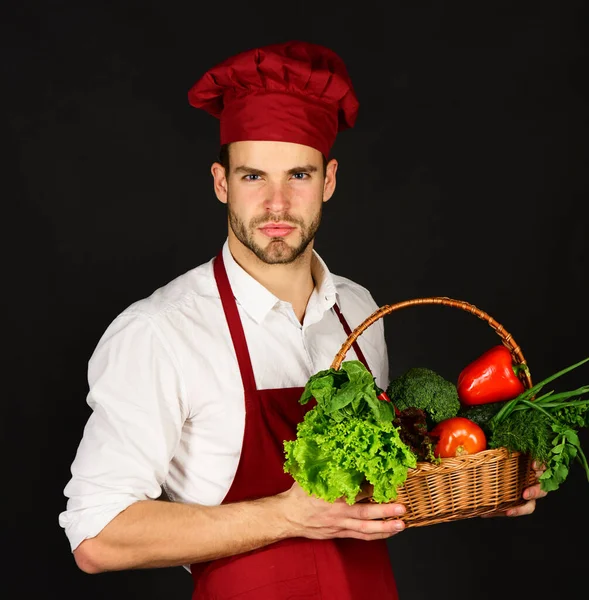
pixel 300 175
pixel 251 177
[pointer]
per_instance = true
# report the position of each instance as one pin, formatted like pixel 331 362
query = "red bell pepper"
pixel 492 377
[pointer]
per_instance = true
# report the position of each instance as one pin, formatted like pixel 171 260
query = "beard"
pixel 278 251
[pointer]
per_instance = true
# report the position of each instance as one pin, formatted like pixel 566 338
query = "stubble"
pixel 278 250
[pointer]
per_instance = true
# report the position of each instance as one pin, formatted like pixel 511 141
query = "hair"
pixel 224 159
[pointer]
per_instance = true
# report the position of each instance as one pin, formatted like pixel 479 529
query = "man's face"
pixel 274 194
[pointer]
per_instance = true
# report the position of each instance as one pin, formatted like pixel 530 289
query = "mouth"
pixel 275 230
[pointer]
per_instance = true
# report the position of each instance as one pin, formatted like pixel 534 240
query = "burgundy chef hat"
pixel 291 92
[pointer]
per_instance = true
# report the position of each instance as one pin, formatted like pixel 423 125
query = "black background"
pixel 465 176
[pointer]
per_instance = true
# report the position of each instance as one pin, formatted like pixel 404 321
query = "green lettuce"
pixel 347 439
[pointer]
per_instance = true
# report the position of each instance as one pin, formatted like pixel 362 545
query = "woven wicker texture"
pixel 469 485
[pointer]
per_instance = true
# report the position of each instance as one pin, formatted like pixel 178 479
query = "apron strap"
pixel 348 331
pixel 234 322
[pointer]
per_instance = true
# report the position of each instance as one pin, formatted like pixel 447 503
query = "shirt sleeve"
pixel 135 394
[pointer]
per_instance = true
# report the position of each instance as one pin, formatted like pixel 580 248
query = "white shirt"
pixel 166 391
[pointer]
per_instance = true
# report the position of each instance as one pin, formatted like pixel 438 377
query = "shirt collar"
pixel 258 301
pixel 324 283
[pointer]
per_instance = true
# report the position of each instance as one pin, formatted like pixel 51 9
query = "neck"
pixel 291 282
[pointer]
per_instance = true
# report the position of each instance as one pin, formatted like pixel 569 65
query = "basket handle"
pixel 506 337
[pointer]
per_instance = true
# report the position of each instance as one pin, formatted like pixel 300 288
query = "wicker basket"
pixel 469 485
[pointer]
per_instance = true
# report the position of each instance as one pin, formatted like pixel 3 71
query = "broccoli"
pixel 423 388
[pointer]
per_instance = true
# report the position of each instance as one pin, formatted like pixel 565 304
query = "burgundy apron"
pixel 295 568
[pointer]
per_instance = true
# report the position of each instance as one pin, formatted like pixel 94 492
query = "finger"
pixel 517 511
pixel 372 527
pixel 539 472
pixel 533 492
pixel 371 511
pixel 366 536
pixel 525 509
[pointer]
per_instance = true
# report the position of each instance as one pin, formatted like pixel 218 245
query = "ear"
pixel 329 183
pixel 219 181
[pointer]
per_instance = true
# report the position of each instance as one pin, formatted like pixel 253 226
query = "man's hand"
pixel 531 494
pixel 314 518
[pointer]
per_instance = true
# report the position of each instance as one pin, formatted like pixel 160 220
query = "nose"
pixel 277 199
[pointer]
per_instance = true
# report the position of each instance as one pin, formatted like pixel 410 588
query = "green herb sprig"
pixel 563 414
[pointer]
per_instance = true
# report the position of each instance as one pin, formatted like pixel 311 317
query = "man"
pixel 195 388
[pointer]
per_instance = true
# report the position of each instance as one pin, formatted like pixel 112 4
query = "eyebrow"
pixel 253 171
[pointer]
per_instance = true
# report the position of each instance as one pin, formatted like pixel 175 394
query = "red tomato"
pixel 458 436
